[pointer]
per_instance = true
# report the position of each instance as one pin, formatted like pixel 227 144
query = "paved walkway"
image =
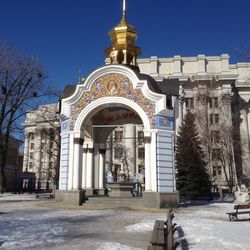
pixel 17 197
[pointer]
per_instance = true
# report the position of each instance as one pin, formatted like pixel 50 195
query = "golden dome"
pixel 123 50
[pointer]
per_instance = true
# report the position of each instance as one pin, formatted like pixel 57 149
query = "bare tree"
pixel 21 86
pixel 219 132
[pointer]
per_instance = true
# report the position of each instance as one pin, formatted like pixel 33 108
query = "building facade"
pixel 218 93
pixel 42 145
pixel 125 147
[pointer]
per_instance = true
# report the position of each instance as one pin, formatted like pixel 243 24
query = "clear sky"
pixel 68 35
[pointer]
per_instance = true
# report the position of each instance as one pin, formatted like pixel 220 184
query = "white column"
pixel 89 169
pixel 124 56
pixel 96 165
pixel 153 162
pixel 102 152
pixel 147 144
pixel 71 161
pixel 26 153
pixel 37 157
pixel 84 166
pixel 134 61
pixel 77 163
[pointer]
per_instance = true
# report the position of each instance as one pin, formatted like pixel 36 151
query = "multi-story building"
pixel 42 140
pixel 218 93
pixel 125 149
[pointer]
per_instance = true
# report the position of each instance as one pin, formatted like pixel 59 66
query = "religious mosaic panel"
pixel 113 85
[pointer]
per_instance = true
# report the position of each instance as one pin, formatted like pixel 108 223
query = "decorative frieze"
pixel 113 85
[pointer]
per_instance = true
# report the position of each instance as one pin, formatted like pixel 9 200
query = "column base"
pixel 70 197
pixel 160 200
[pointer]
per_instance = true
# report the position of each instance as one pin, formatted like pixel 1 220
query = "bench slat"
pixel 245 206
pixel 155 248
pixel 159 224
pixel 158 238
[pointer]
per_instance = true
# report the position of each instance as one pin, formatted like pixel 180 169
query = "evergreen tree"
pixel 192 179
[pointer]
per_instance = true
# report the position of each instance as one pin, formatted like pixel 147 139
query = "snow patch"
pixel 115 246
pixel 144 226
pixel 31 232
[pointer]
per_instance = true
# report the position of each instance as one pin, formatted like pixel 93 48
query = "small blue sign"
pixel 65 125
pixel 165 122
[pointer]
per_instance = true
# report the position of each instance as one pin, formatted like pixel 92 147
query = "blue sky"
pixel 68 35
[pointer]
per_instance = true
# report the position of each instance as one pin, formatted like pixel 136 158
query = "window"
pixel 219 170
pixel 31 136
pixel 118 136
pixel 118 153
pixel 141 153
pixel 140 168
pixel 30 165
pixel 214 119
pixel 214 102
pixel 32 145
pixel 117 170
pixel 189 103
pixel 31 156
pixel 215 136
pixel 216 154
pixel 140 137
pixel 216 171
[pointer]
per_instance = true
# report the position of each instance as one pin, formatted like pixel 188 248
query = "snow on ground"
pixel 31 230
pixel 144 226
pixel 26 225
pixel 17 197
pixel 115 246
pixel 207 227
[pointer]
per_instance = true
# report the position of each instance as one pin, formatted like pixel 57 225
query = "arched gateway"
pixel 112 95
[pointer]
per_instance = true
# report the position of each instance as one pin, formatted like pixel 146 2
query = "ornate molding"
pixel 113 85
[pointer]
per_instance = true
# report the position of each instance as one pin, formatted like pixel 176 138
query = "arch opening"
pixel 114 153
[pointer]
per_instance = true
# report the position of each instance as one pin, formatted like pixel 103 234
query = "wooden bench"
pixel 239 209
pixel 162 235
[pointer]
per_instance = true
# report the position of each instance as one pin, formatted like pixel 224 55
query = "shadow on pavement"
pixel 183 243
